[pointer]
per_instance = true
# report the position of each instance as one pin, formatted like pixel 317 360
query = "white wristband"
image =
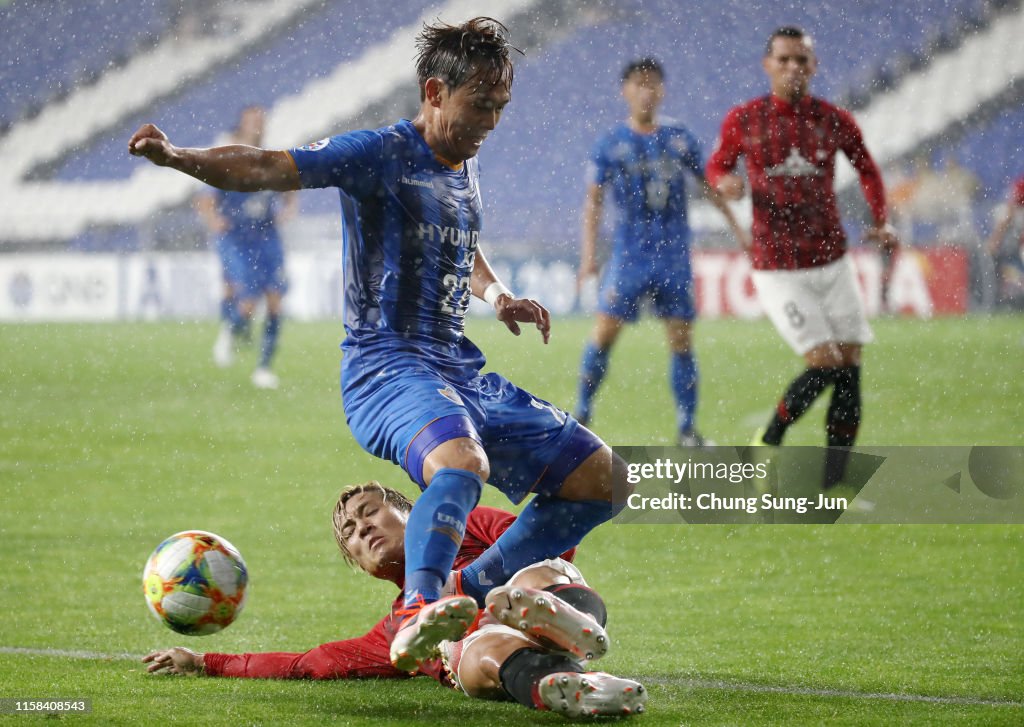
pixel 493 291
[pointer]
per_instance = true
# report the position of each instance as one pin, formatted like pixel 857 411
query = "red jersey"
pixel 790 152
pixel 1017 193
pixel 368 655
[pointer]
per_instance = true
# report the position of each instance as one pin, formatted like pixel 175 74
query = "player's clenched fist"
pixel 151 143
pixel 731 187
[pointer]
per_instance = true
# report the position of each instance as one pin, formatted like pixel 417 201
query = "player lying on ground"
pixel 411 381
pixel 532 644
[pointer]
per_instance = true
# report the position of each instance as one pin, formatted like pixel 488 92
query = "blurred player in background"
pixel 530 647
pixel 644 162
pixel 805 283
pixel 251 256
pixel 1009 258
pixel 411 382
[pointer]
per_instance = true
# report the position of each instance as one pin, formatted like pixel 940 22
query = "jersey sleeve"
pixel 599 170
pixel 727 149
pixel 851 141
pixel 350 162
pixel 1017 193
pixel 693 155
pixel 361 658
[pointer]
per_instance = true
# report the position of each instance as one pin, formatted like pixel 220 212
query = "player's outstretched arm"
pixel 235 167
pixel 717 198
pixel 721 167
pixel 593 208
pixel 177 660
pixel 510 310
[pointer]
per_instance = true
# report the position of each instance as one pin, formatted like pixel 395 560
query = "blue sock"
pixel 226 309
pixel 683 372
pixel 546 528
pixel 270 331
pixel 230 313
pixel 434 531
pixel 593 367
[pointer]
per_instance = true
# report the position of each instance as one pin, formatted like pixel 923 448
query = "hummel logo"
pixel 416 182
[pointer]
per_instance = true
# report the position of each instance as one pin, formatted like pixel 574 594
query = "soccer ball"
pixel 195 583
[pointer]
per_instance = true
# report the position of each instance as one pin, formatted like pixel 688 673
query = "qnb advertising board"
pixel 922 283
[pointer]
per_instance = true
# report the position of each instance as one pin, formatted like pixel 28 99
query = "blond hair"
pixel 392 498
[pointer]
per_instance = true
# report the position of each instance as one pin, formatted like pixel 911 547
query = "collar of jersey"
pixel 784 105
pixel 437 157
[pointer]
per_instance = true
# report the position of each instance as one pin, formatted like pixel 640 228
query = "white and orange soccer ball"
pixel 195 583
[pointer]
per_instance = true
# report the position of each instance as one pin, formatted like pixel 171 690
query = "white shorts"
pixel 568 573
pixel 812 306
pixel 452 652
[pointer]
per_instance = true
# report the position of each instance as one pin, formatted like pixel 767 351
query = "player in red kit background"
pixel 806 285
pixel 1007 251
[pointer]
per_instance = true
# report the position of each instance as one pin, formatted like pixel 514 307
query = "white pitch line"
pixel 846 693
pixel 68 654
pixel 694 683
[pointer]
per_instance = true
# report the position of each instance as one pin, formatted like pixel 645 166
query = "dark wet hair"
pixel 478 48
pixel 787 31
pixel 388 496
pixel 643 65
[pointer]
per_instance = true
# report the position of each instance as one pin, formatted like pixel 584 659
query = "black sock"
pixel 843 418
pixel 522 671
pixel 802 392
pixel 842 422
pixel 582 598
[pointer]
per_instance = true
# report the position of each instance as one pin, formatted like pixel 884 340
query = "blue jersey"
pixel 646 174
pixel 249 215
pixel 410 229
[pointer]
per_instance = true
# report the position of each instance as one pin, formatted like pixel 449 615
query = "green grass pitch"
pixel 114 436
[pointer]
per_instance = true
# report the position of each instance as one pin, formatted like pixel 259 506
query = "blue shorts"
pixel 408 407
pixel 253 268
pixel 625 285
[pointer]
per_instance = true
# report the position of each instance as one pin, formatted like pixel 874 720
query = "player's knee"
pixel 461 454
pixel 480 666
pixel 606 331
pixel 679 338
pixel 538 575
pixel 602 476
pixel 824 356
